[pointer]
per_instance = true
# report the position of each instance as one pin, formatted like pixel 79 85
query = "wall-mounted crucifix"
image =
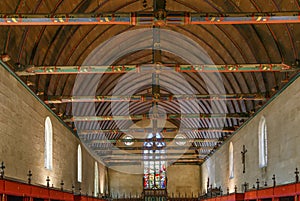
pixel 243 158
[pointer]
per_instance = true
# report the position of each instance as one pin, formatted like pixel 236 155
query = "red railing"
pixel 29 192
pixel 273 193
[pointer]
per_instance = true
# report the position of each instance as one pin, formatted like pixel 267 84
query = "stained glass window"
pixel 154 163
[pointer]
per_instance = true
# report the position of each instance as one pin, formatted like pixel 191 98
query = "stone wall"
pixel 22 130
pixel 124 184
pixel 183 180
pixel 283 124
pixel 22 120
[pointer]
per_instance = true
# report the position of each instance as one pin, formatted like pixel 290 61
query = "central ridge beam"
pixel 158 159
pixel 162 98
pixel 149 18
pixel 128 148
pixel 162 130
pixel 191 154
pixel 150 68
pixel 190 140
pixel 158 116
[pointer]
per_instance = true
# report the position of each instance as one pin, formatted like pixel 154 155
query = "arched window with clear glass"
pixel 48 144
pixel 79 164
pixel 154 163
pixel 231 164
pixel 96 181
pixel 262 143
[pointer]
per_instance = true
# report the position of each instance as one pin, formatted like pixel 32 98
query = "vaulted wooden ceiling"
pixel 200 80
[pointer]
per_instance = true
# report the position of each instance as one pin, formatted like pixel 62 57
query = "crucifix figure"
pixel 243 158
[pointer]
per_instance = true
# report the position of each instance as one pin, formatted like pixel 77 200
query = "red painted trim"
pixel 274 193
pixel 28 192
pixel 1 186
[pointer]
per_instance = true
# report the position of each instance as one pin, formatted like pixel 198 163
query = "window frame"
pixel 231 161
pixel 79 164
pixel 263 143
pixel 96 180
pixel 48 144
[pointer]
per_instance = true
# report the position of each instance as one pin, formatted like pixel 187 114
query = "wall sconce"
pixel 296 175
pixel 274 180
pixel 245 186
pixel 29 176
pixel 257 184
pixel 2 167
pixel 62 185
pixel 48 180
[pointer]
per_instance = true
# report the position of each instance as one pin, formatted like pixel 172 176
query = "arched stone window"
pixel 48 144
pixel 79 164
pixel 262 143
pixel 231 167
pixel 154 170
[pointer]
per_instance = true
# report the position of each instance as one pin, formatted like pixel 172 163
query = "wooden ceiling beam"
pixel 118 160
pixel 162 130
pixel 129 148
pixel 162 98
pixel 193 154
pixel 149 18
pixel 111 164
pixel 190 140
pixel 150 68
pixel 158 116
